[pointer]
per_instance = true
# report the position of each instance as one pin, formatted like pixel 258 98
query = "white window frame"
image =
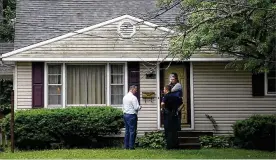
pixel 124 84
pixel 46 85
pixel 64 84
pixel 266 87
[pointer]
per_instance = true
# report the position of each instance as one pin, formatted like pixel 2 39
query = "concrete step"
pixel 189 145
pixel 188 139
pixel 193 134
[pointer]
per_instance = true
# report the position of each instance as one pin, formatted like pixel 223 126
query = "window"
pixel 86 84
pixel 271 82
pixel 54 84
pixel 117 80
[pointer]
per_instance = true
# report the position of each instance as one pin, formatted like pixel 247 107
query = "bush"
pixel 6 87
pixel 216 141
pixel 153 140
pixel 256 132
pixel 70 127
pixel 5 109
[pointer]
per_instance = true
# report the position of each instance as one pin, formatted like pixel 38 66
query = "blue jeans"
pixel 130 130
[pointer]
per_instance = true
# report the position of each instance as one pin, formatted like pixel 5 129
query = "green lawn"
pixel 140 153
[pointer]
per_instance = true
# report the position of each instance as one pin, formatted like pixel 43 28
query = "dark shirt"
pixel 171 102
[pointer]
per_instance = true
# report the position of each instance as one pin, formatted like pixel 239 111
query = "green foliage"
pixel 216 141
pixel 7 25
pixel 69 127
pixel 5 109
pixel 242 29
pixel 6 87
pixel 152 140
pixel 256 132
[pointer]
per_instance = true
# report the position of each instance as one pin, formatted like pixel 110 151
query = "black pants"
pixel 171 129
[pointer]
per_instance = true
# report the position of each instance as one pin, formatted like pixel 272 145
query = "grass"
pixel 140 154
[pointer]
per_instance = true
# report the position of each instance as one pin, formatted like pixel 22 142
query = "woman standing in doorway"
pixel 177 91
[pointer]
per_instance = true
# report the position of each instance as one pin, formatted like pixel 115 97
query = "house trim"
pixel 108 99
pixel 139 21
pixel 64 85
pixel 15 87
pixel 192 96
pixel 115 59
pixel 126 78
pixel 158 95
pixel 266 87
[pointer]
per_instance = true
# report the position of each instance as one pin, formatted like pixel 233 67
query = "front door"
pixel 182 76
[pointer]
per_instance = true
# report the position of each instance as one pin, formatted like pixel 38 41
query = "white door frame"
pixel 191 98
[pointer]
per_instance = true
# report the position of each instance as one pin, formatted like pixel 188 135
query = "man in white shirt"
pixel 130 108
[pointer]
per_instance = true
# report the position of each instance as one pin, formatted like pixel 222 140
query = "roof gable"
pixel 40 20
pixel 87 29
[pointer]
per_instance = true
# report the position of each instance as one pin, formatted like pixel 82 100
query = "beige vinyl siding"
pixel 24 85
pixel 147 117
pixel 226 95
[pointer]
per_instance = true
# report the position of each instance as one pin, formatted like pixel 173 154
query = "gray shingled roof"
pixel 6 67
pixel 5 47
pixel 39 20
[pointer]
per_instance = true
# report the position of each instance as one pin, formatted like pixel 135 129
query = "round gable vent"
pixel 126 29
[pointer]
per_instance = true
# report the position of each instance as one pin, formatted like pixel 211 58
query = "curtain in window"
pixel 86 84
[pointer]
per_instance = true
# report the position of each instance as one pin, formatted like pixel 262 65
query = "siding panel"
pixel 226 95
pixel 24 85
pixel 147 117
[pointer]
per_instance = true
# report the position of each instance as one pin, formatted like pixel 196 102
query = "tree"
pixel 243 29
pixel 7 24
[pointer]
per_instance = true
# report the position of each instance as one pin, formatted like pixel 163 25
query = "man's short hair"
pixel 132 87
pixel 168 87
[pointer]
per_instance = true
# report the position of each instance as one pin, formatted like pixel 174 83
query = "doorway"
pixel 183 72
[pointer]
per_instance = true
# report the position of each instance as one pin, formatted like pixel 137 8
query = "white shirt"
pixel 130 104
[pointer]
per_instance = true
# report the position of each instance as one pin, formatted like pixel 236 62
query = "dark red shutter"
pixel 258 84
pixel 134 76
pixel 38 84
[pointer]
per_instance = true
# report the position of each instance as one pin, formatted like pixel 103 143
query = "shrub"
pixel 5 109
pixel 216 141
pixel 152 140
pixel 70 127
pixel 6 87
pixel 256 132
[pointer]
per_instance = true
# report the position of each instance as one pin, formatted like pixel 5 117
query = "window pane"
pixel 117 69
pixel 54 99
pixel 117 79
pixel 86 84
pixel 54 90
pixel 271 86
pixel 117 94
pixel 54 79
pixel 54 69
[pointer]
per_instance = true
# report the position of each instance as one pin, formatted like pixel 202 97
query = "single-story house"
pixel 95 65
